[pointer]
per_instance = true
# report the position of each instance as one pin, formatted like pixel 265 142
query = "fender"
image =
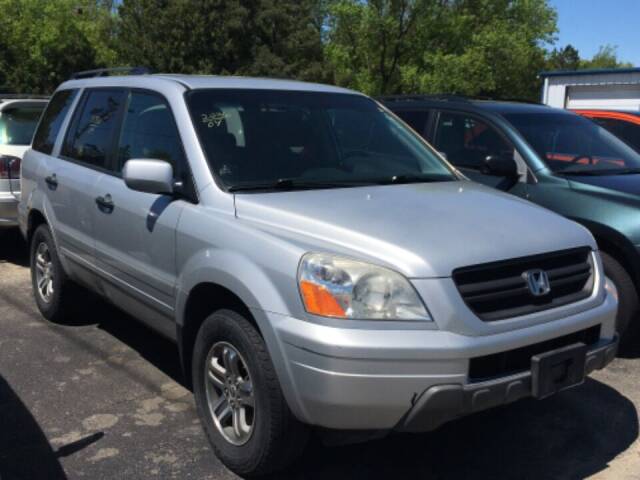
pixel 618 241
pixel 252 285
pixel 234 272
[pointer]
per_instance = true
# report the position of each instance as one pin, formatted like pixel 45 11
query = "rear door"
pixel 70 181
pixel 135 235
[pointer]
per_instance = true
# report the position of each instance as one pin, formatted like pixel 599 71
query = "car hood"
pixel 629 184
pixel 421 230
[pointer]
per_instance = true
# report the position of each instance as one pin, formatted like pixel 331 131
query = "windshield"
pixel 18 124
pixel 575 145
pixel 272 139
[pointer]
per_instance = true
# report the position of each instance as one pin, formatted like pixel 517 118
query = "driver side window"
pixel 467 141
pixel 149 131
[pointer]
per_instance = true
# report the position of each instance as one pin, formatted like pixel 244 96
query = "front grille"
pixel 519 360
pixel 498 290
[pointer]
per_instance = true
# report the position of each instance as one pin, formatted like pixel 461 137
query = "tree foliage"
pixel 606 57
pixel 42 42
pixel 567 58
pixel 280 38
pixel 475 47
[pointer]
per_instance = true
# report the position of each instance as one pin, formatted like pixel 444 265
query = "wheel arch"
pixel 214 280
pixel 34 220
pixel 617 245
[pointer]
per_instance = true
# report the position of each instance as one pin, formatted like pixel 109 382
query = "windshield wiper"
pixel 594 173
pixel 287 184
pixel 400 179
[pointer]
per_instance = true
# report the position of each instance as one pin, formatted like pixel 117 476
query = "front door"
pixel 467 140
pixel 136 231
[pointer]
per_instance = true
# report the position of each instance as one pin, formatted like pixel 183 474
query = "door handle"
pixel 52 181
pixel 105 203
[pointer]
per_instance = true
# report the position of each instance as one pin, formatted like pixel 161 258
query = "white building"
pixel 610 89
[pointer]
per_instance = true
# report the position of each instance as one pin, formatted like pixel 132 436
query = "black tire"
pixel 278 438
pixel 59 305
pixel 628 304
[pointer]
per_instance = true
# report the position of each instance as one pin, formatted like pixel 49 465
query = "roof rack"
pixel 106 72
pixel 418 98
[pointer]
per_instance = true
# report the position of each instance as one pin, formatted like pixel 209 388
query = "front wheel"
pixel 239 400
pixel 628 304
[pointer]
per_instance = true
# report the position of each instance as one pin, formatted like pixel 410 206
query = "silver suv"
pixel 316 262
pixel 19 116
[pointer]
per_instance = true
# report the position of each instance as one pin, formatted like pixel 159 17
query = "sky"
pixel 587 24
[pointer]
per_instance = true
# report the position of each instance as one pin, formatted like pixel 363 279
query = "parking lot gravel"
pixel 100 396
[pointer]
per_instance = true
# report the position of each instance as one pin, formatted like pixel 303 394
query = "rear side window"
pixel 92 131
pixel 52 120
pixel 18 124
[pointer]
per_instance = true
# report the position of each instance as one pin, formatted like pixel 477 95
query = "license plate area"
pixel 557 370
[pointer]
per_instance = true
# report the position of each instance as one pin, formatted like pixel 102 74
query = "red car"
pixel 625 125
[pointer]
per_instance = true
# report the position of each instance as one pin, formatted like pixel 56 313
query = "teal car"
pixel 554 158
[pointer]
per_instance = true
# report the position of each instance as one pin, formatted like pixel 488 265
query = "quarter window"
pixel 52 119
pixel 92 136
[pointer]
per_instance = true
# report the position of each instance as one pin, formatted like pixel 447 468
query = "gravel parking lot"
pixel 102 397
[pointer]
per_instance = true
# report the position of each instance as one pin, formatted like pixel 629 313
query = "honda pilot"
pixel 316 262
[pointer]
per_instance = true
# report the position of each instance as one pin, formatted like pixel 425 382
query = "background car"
pixel 625 125
pixel 19 115
pixel 552 157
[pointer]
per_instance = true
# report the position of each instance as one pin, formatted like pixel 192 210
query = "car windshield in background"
pixel 570 144
pixel 283 140
pixel 18 124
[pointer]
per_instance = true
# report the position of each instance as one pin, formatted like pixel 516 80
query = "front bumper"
pixel 8 210
pixel 365 379
pixel 442 403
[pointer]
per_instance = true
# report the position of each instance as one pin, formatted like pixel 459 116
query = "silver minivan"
pixel 315 261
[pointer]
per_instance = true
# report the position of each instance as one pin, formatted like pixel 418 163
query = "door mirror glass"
pixel 149 176
pixel 500 166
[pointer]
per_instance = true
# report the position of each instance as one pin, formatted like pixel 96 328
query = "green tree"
pixel 606 57
pixel 279 38
pixel 567 58
pixel 42 42
pixel 474 47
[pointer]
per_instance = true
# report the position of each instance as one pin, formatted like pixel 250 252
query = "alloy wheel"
pixel 44 272
pixel 230 393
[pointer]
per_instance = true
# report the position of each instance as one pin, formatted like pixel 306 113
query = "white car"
pixel 19 115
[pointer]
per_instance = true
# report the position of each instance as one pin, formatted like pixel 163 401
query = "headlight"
pixel 333 286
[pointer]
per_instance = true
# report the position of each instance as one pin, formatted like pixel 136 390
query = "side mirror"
pixel 500 166
pixel 149 176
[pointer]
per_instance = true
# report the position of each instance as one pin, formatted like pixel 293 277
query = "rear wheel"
pixel 51 286
pixel 628 304
pixel 240 403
